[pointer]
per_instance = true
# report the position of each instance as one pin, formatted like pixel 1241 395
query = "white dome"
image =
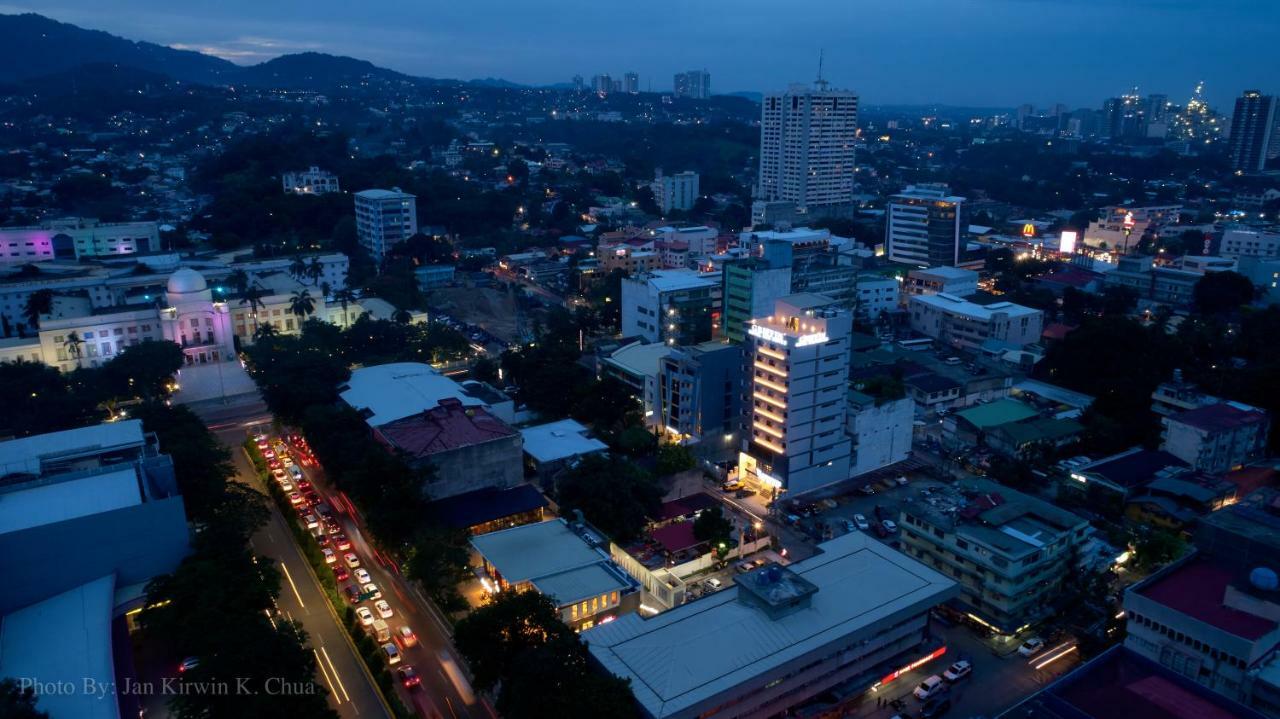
pixel 185 281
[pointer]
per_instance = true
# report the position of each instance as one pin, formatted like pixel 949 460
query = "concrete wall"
pixel 881 435
pixel 499 463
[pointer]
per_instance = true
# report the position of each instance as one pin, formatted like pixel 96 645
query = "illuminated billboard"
pixel 1067 242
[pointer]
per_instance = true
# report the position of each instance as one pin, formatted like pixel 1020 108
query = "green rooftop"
pixel 996 413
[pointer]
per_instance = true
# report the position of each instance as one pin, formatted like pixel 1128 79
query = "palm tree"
pixel 239 280
pixel 253 297
pixel 297 268
pixel 315 270
pixel 265 332
pixel 344 297
pixel 39 303
pixel 403 317
pixel 74 346
pixel 302 304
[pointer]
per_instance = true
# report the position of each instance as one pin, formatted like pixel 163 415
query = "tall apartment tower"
pixel 385 218
pixel 925 225
pixel 797 371
pixel 1255 131
pixel 807 136
pixel 675 192
pixel 694 84
pixel 631 83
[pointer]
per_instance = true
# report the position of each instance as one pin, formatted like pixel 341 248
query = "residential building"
pixel 694 84
pixel 937 280
pixel 798 359
pixel 967 325
pixel 1125 474
pixel 675 192
pixel 1218 437
pixel 74 238
pixel 385 218
pixel 874 296
pixel 925 225
pixel 88 517
pixel 636 365
pixel 1010 552
pixel 751 287
pixel 468 448
pixel 853 615
pixel 553 446
pixel 1168 285
pixel 880 429
pixel 631 83
pixel 700 393
pixel 1255 131
pixel 807 137
pixel 1119 227
pixel 1177 395
pixel 700 239
pixel 312 181
pixel 630 260
pixel 1204 264
pixel 1240 242
pixel 678 307
pixel 566 562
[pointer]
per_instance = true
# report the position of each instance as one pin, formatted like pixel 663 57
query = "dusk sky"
pixel 960 52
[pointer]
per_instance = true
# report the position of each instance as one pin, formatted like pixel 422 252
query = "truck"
pixel 381 631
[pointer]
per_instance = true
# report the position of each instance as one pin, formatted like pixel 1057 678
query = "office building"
pixel 312 181
pixel 699 395
pixel 807 137
pixel 1255 131
pixel 967 325
pixel 938 280
pixel 76 238
pixel 566 562
pixel 751 287
pixel 798 360
pixel 694 84
pixel 1250 242
pixel 1120 227
pixel 873 297
pixel 925 225
pixel 1009 551
pixel 385 218
pixel 631 83
pixel 854 616
pixel 678 307
pixel 675 192
pixel 636 365
pixel 88 517
pixel 1218 437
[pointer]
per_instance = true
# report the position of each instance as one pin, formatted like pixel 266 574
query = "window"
pixel 195 323
pixel 118 331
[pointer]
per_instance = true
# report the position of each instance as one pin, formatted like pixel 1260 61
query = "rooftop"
pixel 1256 516
pixel 1053 392
pixel 40 502
pixel 29 454
pixel 994 414
pixel 1132 467
pixel 1220 417
pixel 445 427
pixel 945 273
pixel 1001 518
pixel 562 561
pixel 640 359
pixel 382 194
pixel 559 440
pixel 676 280
pixel 1198 589
pixel 703 649
pixel 486 505
pixel 958 305
pixel 1039 429
pixel 389 392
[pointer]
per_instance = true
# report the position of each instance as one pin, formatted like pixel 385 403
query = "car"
pixel 406 637
pixel 329 556
pixel 352 593
pixel 311 521
pixel 392 653
pixel 188 664
pixel 362 576
pixel 409 677
pixel 322 539
pixel 733 486
pixel 311 497
pixel 295 499
pixel 296 473
pixel 365 615
pixel 744 493
pixel 1031 647
pixel 929 687
pixel 901 480
pixel 352 560
pixel 263 444
pixel 332 527
pixel 274 464
pixel 286 486
pixel 847 525
pixel 861 522
pixel 867 489
pixel 742 567
pixel 958 671
pixel 269 453
pixel 340 573
pixel 714 583
pixel 889 526
pixel 935 707
pixel 384 609
pixel 341 542
pixel 303 484
pixel 371 591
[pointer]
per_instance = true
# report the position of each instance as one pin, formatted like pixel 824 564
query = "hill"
pixel 313 70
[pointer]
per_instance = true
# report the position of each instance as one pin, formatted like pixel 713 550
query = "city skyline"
pixel 1015 51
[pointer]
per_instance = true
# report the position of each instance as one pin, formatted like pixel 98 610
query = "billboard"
pixel 1067 242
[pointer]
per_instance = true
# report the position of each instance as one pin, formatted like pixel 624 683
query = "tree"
pixel 74 346
pixel 314 270
pixel 1222 292
pixel 1156 547
pixel 712 527
pixel 344 297
pixel 298 268
pixel 37 399
pixel 265 333
pixel 253 296
pixel 239 280
pixel 614 494
pixel 493 637
pixel 302 304
pixel 673 458
pixel 38 303
pixel 17 702
pixel 143 370
pixel 439 562
pixel 402 317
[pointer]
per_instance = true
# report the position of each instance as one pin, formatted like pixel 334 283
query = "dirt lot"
pixel 487 307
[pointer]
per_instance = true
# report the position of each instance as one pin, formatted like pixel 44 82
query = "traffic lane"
pixel 301 599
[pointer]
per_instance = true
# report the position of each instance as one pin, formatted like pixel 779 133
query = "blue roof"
pixel 487 505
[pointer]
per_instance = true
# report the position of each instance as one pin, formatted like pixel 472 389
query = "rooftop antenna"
pixel 822 84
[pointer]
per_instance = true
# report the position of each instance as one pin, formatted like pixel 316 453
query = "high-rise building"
pixel 807 137
pixel 579 84
pixel 631 83
pixel 798 360
pixel 694 84
pixel 751 287
pixel 675 192
pixel 678 307
pixel 1255 137
pixel 925 226
pixel 385 218
pixel 602 84
pixel 1124 117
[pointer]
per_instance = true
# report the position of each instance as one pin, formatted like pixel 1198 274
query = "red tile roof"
pixel 1197 590
pixel 675 537
pixel 445 427
pixel 1057 331
pixel 1219 417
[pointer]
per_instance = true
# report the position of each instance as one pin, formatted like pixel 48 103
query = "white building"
pixel 1250 242
pixel 798 359
pixel 874 296
pixel 700 238
pixel 694 84
pixel 780 636
pixel 881 431
pixel 312 181
pixel 675 192
pixel 957 321
pixel 936 280
pixel 925 225
pixel 1217 438
pixel 385 218
pixel 75 237
pixel 672 306
pixel 1120 227
pixel 807 138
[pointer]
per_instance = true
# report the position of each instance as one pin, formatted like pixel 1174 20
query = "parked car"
pixel 889 526
pixel 384 609
pixel 714 583
pixel 880 531
pixel 365 616
pixel 295 499
pixel 352 593
pixel 929 687
pixel 861 522
pixel 1031 647
pixel 935 707
pixel 867 489
pixel 743 567
pixel 958 671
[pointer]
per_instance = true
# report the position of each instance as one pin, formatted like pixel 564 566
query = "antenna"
pixel 820 82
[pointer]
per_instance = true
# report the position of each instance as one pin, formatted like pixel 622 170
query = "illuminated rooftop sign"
pixel 772 335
